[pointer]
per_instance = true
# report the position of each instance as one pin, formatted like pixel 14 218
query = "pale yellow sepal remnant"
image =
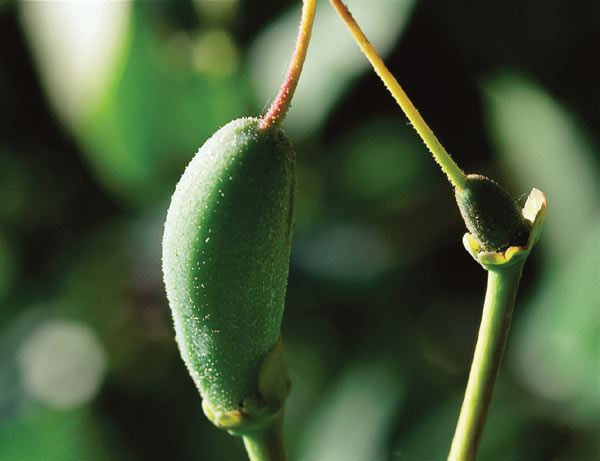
pixel 262 408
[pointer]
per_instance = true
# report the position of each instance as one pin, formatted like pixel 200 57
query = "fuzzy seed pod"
pixel 226 249
pixel 492 216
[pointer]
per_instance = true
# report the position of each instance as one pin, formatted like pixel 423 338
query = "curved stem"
pixel 455 174
pixel 502 286
pixel 266 444
pixel 276 113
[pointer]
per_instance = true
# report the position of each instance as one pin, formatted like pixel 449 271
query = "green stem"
pixel 456 176
pixel 276 113
pixel 266 443
pixel 502 286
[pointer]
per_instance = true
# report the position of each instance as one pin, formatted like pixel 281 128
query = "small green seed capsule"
pixel 491 214
pixel 226 249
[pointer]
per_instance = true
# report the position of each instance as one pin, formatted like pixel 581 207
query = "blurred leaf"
pixel 382 158
pixel 77 47
pixel 558 338
pixel 545 146
pixel 333 59
pixel 152 109
pixel 46 435
pixel 217 12
pixel 215 52
pixel 156 117
pixel 354 422
pixel 309 374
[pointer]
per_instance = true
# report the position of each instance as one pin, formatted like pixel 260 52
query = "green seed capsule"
pixel 226 249
pixel 491 214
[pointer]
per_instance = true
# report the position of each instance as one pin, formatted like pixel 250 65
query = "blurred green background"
pixel 102 104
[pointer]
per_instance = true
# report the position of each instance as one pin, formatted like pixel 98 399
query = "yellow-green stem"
pixel 276 113
pixel 456 176
pixel 502 286
pixel 266 444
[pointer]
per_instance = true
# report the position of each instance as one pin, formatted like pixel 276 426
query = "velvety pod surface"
pixel 491 214
pixel 226 252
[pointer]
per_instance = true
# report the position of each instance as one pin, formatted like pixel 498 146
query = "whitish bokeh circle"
pixel 61 364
